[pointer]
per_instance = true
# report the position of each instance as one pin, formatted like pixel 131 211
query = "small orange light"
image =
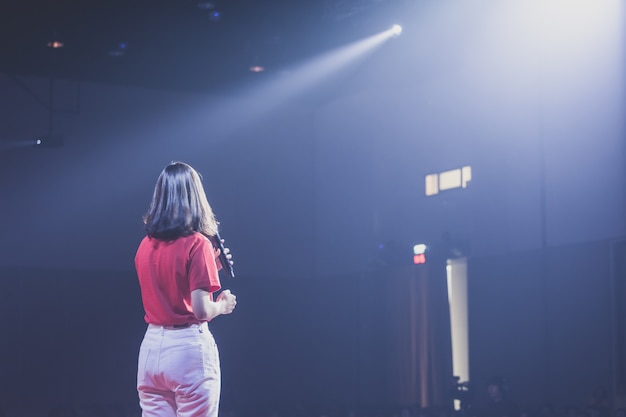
pixel 55 44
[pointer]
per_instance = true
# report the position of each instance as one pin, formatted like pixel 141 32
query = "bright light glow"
pixel 257 68
pixel 38 142
pixel 575 21
pixel 396 30
pixel 55 44
pixel 419 249
pixel 567 47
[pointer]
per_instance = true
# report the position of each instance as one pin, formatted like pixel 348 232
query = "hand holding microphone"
pixel 224 256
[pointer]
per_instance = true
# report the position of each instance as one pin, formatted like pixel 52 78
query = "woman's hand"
pixel 228 300
pixel 229 256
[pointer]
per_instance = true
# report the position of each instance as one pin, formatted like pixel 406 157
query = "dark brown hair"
pixel 179 205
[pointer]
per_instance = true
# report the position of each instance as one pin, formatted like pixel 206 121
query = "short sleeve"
pixel 203 273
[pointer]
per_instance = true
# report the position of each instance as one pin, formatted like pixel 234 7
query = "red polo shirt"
pixel 169 270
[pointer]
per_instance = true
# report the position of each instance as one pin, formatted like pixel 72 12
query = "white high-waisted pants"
pixel 178 372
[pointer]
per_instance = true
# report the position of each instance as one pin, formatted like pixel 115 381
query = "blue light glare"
pixel 215 16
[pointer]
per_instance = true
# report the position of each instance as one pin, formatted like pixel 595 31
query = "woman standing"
pixel 177 266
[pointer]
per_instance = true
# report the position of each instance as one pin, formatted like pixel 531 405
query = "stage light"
pixel 48 141
pixel 396 30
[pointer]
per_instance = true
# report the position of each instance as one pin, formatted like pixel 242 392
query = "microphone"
pixel 226 265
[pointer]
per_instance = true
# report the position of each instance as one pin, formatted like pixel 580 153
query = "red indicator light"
pixel 419 259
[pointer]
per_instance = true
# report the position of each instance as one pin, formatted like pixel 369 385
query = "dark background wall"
pixel 550 331
pixel 75 337
pixel 325 341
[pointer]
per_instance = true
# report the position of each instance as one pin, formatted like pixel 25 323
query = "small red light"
pixel 419 259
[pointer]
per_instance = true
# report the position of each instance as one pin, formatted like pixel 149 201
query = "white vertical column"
pixel 457 298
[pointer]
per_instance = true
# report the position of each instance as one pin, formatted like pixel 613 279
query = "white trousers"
pixel 178 373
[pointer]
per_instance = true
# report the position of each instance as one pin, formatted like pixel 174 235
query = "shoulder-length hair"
pixel 179 205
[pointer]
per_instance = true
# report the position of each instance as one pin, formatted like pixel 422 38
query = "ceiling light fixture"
pixel 55 44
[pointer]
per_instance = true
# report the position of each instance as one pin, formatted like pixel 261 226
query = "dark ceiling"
pixel 193 45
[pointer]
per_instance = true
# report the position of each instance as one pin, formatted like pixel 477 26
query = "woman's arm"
pixel 206 309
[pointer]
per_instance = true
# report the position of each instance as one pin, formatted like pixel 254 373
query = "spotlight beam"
pixel 306 75
pixel 286 86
